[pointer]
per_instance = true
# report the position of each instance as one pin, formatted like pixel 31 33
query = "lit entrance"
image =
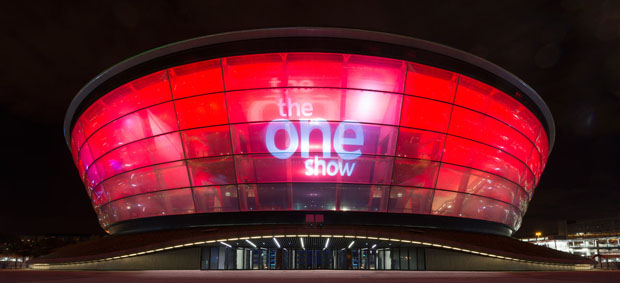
pixel 312 253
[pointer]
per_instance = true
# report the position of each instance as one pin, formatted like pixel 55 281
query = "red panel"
pixel 264 168
pixel 145 123
pixel 486 99
pixel 143 92
pixel 473 125
pixel 415 173
pixel 420 144
pixel 254 71
pixel 211 141
pixel 542 144
pixel 212 171
pixel 77 139
pixel 314 103
pixel 170 202
pixel 154 178
pixel 410 200
pixel 197 78
pixel 430 82
pixel 200 111
pixel 534 163
pixel 521 201
pixel 251 138
pixel 155 150
pixel 476 155
pixel 375 73
pixel 315 70
pixel 216 199
pixel 425 114
pixel 471 181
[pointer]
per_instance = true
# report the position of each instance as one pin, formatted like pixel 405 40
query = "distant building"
pixel 598 239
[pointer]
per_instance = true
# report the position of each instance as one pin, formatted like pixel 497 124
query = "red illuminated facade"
pixel 316 129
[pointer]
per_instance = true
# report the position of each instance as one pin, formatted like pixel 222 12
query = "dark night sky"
pixel 569 51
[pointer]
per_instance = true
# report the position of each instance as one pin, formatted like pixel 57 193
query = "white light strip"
pixel 373 246
pixel 351 244
pixel 302 243
pixel 326 243
pixel 225 244
pixel 253 245
pixel 277 244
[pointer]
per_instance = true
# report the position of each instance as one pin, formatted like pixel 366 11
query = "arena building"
pixel 309 148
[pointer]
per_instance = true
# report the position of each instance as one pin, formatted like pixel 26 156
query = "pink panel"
pixel 476 155
pixel 212 171
pixel 430 82
pixel 140 93
pixel 521 201
pixel 473 125
pixel 425 114
pixel 264 168
pixel 314 103
pixel 254 71
pixel 252 138
pixel 410 200
pixel 415 173
pixel 149 179
pixel 314 70
pixel 471 181
pixel 98 197
pixel 216 199
pixel 152 204
pixel 211 141
pixel 542 144
pixel 486 99
pixel 200 111
pixel 145 123
pixel 420 144
pixel 197 78
pixel 155 150
pixel 77 139
pixel 375 73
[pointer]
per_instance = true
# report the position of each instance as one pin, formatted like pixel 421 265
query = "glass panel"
pixel 265 197
pixel 212 171
pixel 153 178
pixel 363 198
pixel 216 199
pixel 77 139
pixel 155 150
pixel 313 197
pixel 152 204
pixel 486 99
pixel 414 172
pixel 254 71
pixel 211 141
pixel 466 180
pixel 420 144
pixel 476 155
pixel 469 206
pixel 143 92
pixel 315 70
pixel 430 82
pixel 200 111
pixel 197 78
pixel 375 73
pixel 314 103
pixel 475 126
pixel 422 113
pixel 145 123
pixel 410 200
pixel 264 168
pixel 314 137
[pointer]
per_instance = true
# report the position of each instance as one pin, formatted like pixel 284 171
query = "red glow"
pixel 348 133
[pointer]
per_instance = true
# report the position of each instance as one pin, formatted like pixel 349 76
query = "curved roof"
pixel 307 32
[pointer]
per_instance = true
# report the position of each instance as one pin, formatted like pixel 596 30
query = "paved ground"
pixel 298 276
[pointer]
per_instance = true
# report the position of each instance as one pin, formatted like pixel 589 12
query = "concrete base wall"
pixel 178 259
pixel 440 259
